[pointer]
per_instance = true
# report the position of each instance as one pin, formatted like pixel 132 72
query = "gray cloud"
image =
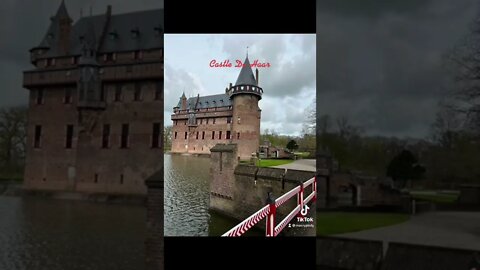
pixel 381 64
pixel 285 77
pixel 23 23
pixel 177 80
pixel 289 84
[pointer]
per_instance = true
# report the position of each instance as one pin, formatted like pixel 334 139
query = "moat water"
pixel 187 189
pixel 38 233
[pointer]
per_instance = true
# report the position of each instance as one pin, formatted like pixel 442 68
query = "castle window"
pixel 207 121
pixel 201 121
pixel 118 92
pixel 156 135
pixel 185 123
pixel 228 135
pixel 197 135
pixel 138 92
pixel 159 90
pixel 74 60
pixel 214 120
pixel 238 135
pixel 186 135
pixel 69 137
pixel 137 55
pixel 219 135
pixel 39 99
pixel 103 92
pixel 124 136
pixel 106 136
pixel 175 135
pixel 38 136
pixel 113 35
pixel 175 122
pixel 121 179
pixel 241 87
pixel 213 135
pixel 95 178
pixel 68 95
pixel 203 135
pixel 229 120
pixel 50 62
pixel 109 57
pixel 135 33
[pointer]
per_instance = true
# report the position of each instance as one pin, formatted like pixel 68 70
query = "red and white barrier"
pixel 269 211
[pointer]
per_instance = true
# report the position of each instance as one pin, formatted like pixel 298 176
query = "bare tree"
pixel 324 124
pixel 167 137
pixel 12 135
pixel 464 62
pixel 446 126
pixel 346 130
pixel 310 123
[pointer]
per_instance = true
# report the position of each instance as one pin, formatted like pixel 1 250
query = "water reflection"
pixel 187 189
pixel 37 233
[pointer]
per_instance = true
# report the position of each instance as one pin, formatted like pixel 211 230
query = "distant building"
pixel 199 123
pixel 95 114
pixel 269 151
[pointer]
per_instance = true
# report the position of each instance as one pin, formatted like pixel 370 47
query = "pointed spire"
pixel 62 11
pixel 246 74
pixel 183 95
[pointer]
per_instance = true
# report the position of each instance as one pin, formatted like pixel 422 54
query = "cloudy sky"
pixel 380 62
pixel 23 24
pixel 289 84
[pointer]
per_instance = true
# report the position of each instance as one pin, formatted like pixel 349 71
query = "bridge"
pixel 269 211
pixel 239 190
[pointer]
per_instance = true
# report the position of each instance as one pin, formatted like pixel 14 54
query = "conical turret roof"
pixel 246 76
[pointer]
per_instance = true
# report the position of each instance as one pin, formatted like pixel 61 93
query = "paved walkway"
pixel 447 229
pixel 301 164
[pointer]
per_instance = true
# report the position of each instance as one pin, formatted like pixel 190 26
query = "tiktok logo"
pixel 304 210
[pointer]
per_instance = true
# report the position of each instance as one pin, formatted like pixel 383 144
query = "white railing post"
pixel 270 226
pixel 300 196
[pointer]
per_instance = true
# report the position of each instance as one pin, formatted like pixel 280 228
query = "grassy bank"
pixel 329 223
pixel 273 162
pixel 435 197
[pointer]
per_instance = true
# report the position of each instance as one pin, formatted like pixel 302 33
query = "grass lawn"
pixel 329 223
pixel 273 162
pixel 435 197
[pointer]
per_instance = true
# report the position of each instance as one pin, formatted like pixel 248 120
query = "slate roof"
pixel 204 102
pixel 120 26
pixel 246 76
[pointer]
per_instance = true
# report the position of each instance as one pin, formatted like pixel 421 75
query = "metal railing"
pixel 269 211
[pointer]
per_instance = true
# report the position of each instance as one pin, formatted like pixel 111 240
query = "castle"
pixel 95 116
pixel 199 123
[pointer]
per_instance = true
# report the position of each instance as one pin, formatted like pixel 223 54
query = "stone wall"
pixel 87 167
pixel 200 146
pixel 239 191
